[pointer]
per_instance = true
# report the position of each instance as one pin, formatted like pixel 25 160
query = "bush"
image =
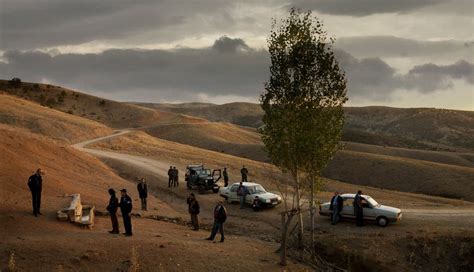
pixel 36 86
pixel 51 102
pixel 102 103
pixel 70 112
pixel 15 82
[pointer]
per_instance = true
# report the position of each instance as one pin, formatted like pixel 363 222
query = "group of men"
pixel 220 216
pixel 173 177
pixel 125 206
pixel 337 205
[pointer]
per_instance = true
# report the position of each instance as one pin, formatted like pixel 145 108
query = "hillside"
pixel 423 128
pixel 221 137
pixel 45 121
pixel 111 113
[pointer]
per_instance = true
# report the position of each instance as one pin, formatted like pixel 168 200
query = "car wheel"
pixel 382 221
pixel 215 190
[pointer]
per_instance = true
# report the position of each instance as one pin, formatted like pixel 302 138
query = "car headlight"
pixel 267 200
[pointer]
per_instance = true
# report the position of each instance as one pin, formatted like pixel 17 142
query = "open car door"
pixel 216 175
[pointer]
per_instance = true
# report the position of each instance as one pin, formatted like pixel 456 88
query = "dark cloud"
pixel 391 46
pixel 363 7
pixel 32 24
pixel 226 44
pixel 228 68
pixel 431 77
pixel 177 74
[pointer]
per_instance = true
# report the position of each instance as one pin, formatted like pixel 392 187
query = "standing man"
pixel 170 176
pixel 220 215
pixel 241 191
pixel 193 209
pixel 126 209
pixel 175 177
pixel 35 183
pixel 336 207
pixel 112 209
pixel 142 192
pixel 358 209
pixel 226 177
pixel 244 172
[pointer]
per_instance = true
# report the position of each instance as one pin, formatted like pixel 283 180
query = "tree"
pixel 302 104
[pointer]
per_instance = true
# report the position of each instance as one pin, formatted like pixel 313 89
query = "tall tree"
pixel 302 103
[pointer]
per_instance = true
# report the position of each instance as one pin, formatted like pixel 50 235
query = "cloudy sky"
pixel 404 53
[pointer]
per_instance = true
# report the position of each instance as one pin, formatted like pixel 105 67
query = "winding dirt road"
pixel 461 216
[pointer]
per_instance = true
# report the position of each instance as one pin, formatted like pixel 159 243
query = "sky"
pixel 404 53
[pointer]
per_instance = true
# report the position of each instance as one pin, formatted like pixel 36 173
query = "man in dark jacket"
pixel 193 209
pixel 220 215
pixel 170 176
pixel 226 177
pixel 359 209
pixel 175 177
pixel 126 209
pixel 112 209
pixel 336 207
pixel 244 172
pixel 35 183
pixel 142 192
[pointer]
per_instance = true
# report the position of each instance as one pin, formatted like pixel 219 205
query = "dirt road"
pixel 460 215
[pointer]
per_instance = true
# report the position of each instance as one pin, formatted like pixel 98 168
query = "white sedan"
pixel 267 199
pixel 373 211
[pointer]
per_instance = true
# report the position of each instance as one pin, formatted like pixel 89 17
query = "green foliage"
pixel 102 103
pixel 51 102
pixel 302 104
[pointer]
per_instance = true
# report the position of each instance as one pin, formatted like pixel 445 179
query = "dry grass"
pixel 42 120
pixel 111 113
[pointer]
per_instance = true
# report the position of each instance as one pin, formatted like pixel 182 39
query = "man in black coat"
pixel 244 172
pixel 112 209
pixel 220 216
pixel 35 183
pixel 359 209
pixel 170 176
pixel 336 207
pixel 175 177
pixel 226 177
pixel 126 209
pixel 142 192
pixel 193 209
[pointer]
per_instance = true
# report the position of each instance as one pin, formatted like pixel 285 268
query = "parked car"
pixel 373 211
pixel 267 199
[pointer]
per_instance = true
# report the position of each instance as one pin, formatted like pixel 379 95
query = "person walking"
pixel 193 209
pixel 112 209
pixel 170 176
pixel 226 177
pixel 244 172
pixel 175 177
pixel 220 216
pixel 241 192
pixel 358 209
pixel 336 207
pixel 35 183
pixel 142 192
pixel 126 209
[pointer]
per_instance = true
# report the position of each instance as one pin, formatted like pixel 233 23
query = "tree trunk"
pixel 311 210
pixel 285 221
pixel 298 205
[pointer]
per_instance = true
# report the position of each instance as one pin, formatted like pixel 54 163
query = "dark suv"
pixel 197 176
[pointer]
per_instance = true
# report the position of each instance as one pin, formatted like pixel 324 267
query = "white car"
pixel 373 211
pixel 267 199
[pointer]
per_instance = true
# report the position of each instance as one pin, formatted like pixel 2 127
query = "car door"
pixel 348 207
pixel 369 211
pixel 233 193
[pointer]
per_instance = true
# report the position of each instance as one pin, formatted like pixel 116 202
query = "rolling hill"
pixel 422 128
pixel 111 113
pixel 45 121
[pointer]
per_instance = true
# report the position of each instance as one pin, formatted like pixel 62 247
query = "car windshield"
pixel 372 202
pixel 256 190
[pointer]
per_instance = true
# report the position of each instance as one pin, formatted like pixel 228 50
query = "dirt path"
pixel 464 215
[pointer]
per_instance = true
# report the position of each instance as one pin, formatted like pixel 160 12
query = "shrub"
pixel 51 102
pixel 15 82
pixel 102 103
